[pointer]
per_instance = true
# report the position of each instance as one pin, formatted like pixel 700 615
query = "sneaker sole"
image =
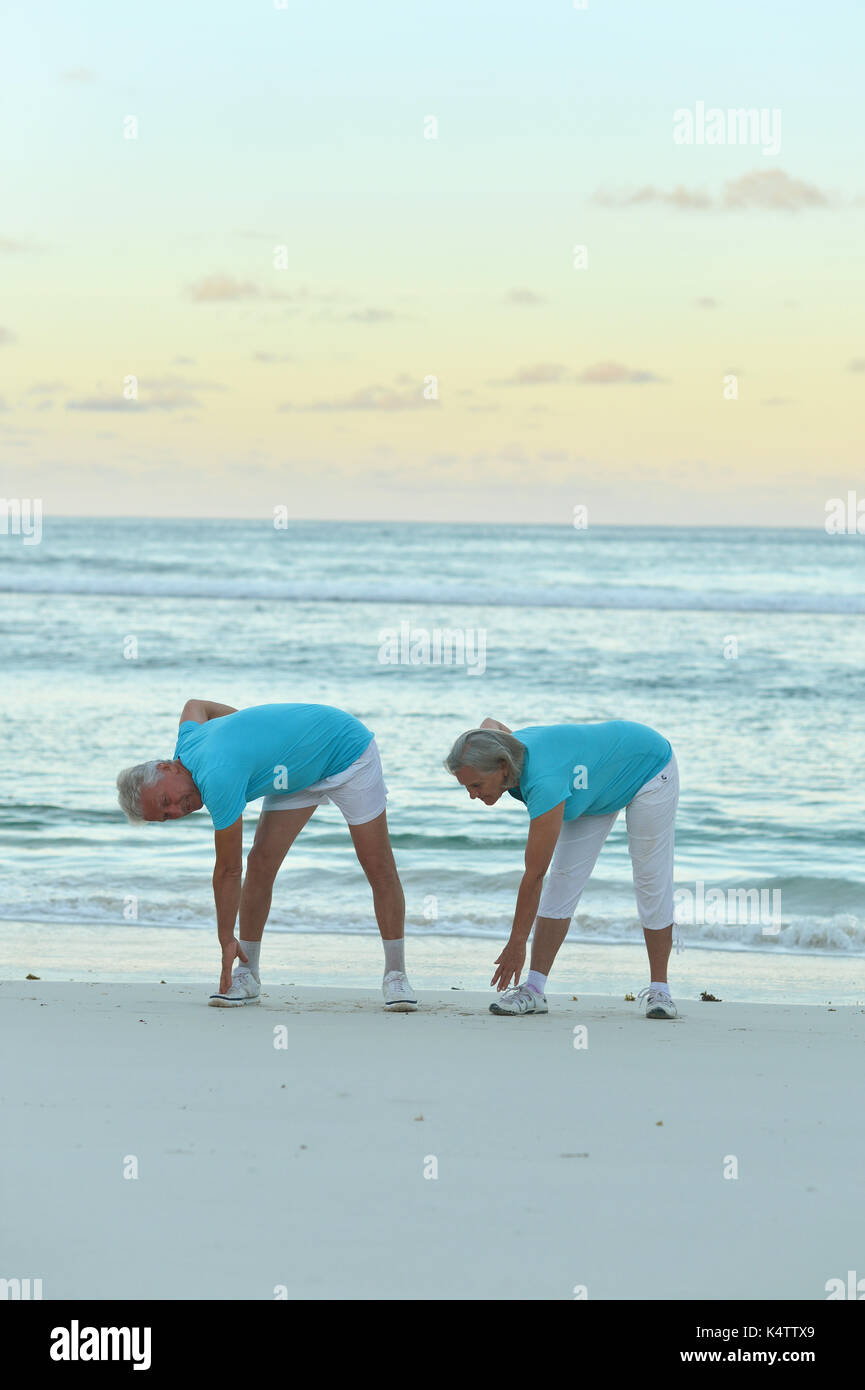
pixel 219 1001
pixel 659 1013
pixel 514 1013
pixel 401 1006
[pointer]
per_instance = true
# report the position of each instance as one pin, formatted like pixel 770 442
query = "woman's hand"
pixel 510 963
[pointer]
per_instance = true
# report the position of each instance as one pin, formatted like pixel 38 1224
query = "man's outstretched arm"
pixel 201 710
pixel 227 879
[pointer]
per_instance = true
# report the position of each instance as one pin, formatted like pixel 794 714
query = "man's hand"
pixel 510 963
pixel 495 724
pixel 231 951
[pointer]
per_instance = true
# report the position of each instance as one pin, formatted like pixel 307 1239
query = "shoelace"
pixel 514 991
pixel 659 993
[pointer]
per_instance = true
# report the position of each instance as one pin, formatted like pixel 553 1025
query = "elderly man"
pixel 297 757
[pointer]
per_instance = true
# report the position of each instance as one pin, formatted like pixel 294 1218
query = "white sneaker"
pixel 658 1004
pixel 399 997
pixel 245 988
pixel 519 999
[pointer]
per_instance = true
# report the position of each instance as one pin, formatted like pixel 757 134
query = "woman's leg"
pixel 651 820
pixel 547 937
pixel 574 858
pixel 659 943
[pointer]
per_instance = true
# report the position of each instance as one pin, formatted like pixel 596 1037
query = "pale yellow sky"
pixel 320 307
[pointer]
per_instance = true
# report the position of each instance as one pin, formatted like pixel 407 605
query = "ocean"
pixel 743 647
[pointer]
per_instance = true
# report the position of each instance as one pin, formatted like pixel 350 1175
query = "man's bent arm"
pixel 227 878
pixel 200 711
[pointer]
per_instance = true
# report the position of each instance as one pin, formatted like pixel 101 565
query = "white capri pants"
pixel 650 819
pixel 359 791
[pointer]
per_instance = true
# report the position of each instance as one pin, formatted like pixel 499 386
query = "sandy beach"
pixel 314 1147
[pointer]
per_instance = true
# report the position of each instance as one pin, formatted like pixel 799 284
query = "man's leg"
pixel 375 855
pixel 275 833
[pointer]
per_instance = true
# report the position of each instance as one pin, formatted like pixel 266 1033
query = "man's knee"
pixel 381 871
pixel 262 865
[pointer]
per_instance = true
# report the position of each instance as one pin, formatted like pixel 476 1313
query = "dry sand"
pixel 302 1168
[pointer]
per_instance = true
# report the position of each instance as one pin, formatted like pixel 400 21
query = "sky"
pixel 433 262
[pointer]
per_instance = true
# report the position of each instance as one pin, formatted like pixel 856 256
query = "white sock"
pixel 394 955
pixel 536 981
pixel 661 985
pixel 251 949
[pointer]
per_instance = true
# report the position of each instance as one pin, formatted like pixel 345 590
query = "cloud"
pixel 523 297
pixel 763 189
pixel 6 336
pixel 14 246
pixel 118 404
pixel 384 398
pixel 680 197
pixel 539 374
pixel 777 400
pixel 773 189
pixel 78 75
pixel 613 373
pixel 554 374
pixel 222 288
pixel 228 289
pixel 371 315
pixel 272 357
pixel 172 382
pixel 706 303
pixel 857 365
pixel 44 388
pixel 167 393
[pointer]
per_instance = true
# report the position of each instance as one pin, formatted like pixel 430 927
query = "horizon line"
pixel 402 521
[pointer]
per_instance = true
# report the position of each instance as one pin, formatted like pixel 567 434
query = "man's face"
pixel 174 794
pixel 483 786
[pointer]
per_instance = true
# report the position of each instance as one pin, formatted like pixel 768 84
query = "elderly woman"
pixel 574 779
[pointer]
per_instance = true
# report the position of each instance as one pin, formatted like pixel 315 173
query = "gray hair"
pixel 485 749
pixel 130 783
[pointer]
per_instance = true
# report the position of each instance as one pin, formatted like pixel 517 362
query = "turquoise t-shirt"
pixel 265 750
pixel 594 769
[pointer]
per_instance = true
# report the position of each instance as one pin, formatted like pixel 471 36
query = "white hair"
pixel 130 783
pixel 485 750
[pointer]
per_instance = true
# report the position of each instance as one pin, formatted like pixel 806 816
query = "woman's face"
pixel 484 786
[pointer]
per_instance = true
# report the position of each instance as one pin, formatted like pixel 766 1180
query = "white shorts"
pixel 650 818
pixel 359 791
